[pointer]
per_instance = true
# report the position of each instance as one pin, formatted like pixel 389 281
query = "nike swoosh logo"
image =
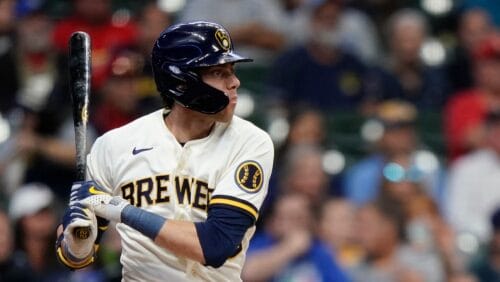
pixel 137 151
pixel 94 191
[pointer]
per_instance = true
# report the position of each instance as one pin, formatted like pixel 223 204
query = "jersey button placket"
pixel 184 157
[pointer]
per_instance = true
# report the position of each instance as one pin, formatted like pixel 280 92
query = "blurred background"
pixel 385 115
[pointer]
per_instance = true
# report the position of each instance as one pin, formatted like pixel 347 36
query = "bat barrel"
pixel 79 75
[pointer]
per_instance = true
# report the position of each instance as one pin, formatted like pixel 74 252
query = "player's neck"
pixel 188 125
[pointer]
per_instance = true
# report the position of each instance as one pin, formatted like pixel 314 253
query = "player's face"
pixel 223 78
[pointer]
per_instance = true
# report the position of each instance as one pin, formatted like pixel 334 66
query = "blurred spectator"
pixel 303 144
pixel 36 60
pixel 302 172
pixel 33 209
pixel 474 26
pixel 381 231
pixel 254 25
pixel 378 10
pixel 120 98
pixel 107 33
pixel 404 75
pixel 486 265
pixel 307 127
pixel 293 14
pixel 39 92
pixel 318 73
pixel 356 31
pixel 427 232
pixel 151 22
pixel 287 249
pixel 337 229
pixel 463 277
pixel 492 6
pixel 34 151
pixel 358 34
pixel 11 268
pixel 8 65
pixel 474 179
pixel 464 113
pixel 42 149
pixel 393 132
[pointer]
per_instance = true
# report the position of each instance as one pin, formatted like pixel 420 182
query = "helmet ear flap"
pixel 181 79
pixel 206 99
pixel 184 75
pixel 187 88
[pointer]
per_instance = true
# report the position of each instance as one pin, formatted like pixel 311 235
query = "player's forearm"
pixel 204 242
pixel 180 237
pixel 210 242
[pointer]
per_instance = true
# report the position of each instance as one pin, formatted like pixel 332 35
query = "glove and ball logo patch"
pixel 82 233
pixel 249 176
pixel 222 39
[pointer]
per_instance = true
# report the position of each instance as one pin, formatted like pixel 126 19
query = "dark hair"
pixel 495 219
pixel 393 212
pixel 492 116
pixel 167 102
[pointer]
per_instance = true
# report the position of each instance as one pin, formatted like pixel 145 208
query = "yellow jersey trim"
pixel 249 209
pixel 71 264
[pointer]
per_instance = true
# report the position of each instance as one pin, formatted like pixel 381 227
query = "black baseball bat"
pixel 79 81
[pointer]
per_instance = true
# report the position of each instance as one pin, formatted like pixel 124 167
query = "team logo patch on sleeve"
pixel 249 176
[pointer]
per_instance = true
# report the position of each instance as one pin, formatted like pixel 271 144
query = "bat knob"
pixel 82 233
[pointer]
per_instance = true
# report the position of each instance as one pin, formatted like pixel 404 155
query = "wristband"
pixel 64 255
pixel 143 221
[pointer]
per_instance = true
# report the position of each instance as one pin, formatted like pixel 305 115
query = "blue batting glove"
pixel 84 189
pixel 102 226
pixel 102 203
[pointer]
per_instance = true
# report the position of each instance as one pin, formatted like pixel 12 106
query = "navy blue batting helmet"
pixel 183 48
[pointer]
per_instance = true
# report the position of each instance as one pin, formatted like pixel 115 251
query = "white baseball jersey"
pixel 143 163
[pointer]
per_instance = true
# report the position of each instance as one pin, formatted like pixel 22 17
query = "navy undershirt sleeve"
pixel 221 234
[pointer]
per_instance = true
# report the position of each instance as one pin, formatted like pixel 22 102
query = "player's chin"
pixel 225 115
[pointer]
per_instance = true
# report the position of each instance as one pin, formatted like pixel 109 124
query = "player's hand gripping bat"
pixel 79 81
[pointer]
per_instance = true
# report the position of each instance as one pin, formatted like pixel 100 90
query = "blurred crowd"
pixel 385 116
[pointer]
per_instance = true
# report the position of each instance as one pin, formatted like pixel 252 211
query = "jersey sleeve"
pixel 99 165
pixel 245 184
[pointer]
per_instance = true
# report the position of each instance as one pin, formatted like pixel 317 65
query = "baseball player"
pixel 184 183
